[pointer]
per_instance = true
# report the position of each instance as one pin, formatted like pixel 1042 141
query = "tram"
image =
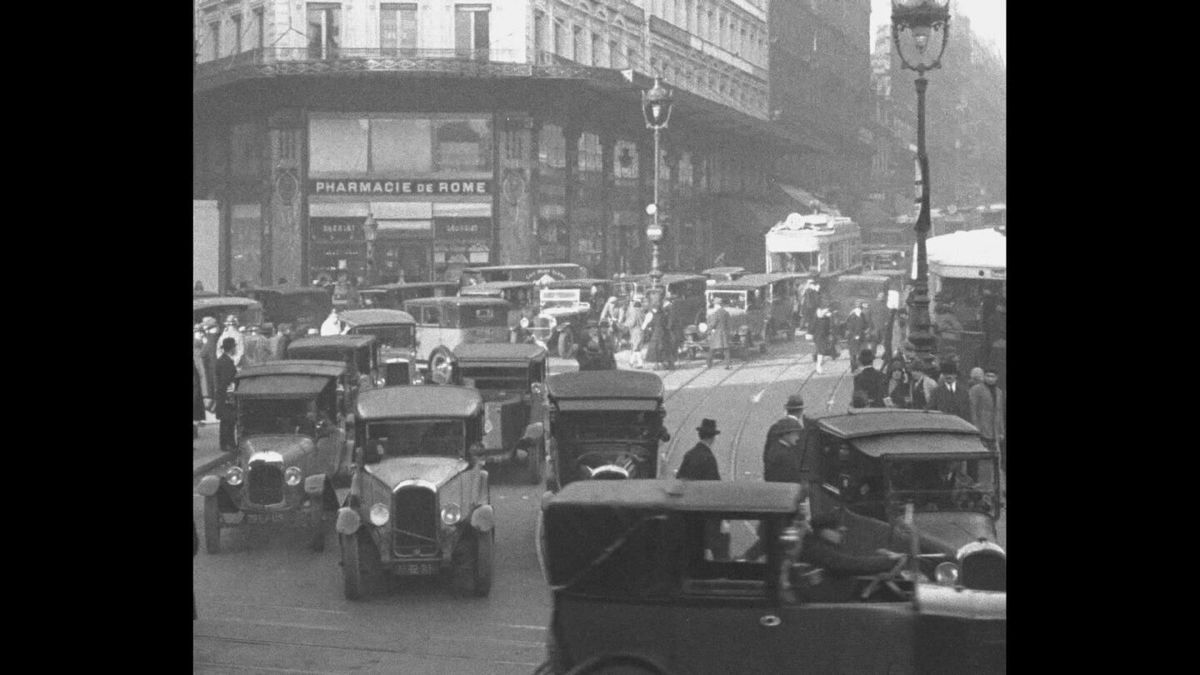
pixel 818 244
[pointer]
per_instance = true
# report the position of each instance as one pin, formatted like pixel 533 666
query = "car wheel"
pixel 565 344
pixel 316 522
pixel 464 561
pixel 212 526
pixel 441 366
pixel 485 546
pixel 357 549
pixel 534 463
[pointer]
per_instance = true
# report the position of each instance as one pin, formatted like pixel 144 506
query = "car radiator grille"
pixel 264 484
pixel 397 374
pixel 415 520
pixel 985 571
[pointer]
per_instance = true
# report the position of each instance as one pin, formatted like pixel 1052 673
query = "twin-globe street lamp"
pixel 656 109
pixel 918 21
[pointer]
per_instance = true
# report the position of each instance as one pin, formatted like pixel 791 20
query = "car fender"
pixel 314 485
pixel 348 521
pixel 483 519
pixel 209 485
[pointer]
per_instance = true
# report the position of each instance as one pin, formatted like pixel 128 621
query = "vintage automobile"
pixel 511 378
pixel 564 309
pixel 290 448
pixel 359 353
pixel 716 274
pixel 852 289
pixel 758 305
pixel 872 462
pixel 303 307
pixel 392 296
pixel 521 297
pixel 395 331
pixel 419 502
pixel 445 323
pixel 631 579
pixel 603 424
pixel 248 312
pixel 533 273
pixel 876 259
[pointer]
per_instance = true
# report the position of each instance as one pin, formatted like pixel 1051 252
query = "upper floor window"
pixel 539 29
pixel 471 31
pixel 260 29
pixel 397 27
pixel 324 30
pixel 579 45
pixel 214 36
pixel 237 33
pixel 597 49
pixel 560 38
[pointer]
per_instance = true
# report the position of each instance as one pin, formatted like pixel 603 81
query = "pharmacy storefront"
pixel 398 196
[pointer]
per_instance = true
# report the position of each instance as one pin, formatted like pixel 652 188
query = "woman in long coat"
pixel 652 338
pixel 822 331
pixel 718 332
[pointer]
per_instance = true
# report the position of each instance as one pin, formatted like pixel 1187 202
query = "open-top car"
pixel 419 502
pixel 873 463
pixel 396 333
pixel 360 353
pixel 303 307
pixel 291 445
pixel 634 580
pixel 248 312
pixel 511 378
pixel 444 323
pixel 603 424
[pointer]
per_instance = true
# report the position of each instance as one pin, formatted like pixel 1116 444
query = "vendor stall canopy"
pixel 971 248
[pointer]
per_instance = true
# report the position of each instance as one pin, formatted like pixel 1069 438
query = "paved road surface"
pixel 268 604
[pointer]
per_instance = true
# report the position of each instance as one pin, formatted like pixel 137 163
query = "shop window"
pixel 552 147
pixel 337 145
pixel 462 145
pixel 625 160
pixel 398 28
pixel 324 30
pixel 245 245
pixel 401 147
pixel 471 31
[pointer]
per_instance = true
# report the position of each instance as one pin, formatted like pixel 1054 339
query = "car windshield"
pixel 410 438
pixel 395 337
pixel 608 425
pixel 478 317
pixel 559 297
pixel 278 416
pixel 941 485
pixel 496 378
pixel 732 299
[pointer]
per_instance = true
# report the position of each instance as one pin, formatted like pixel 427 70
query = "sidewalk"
pixel 206 450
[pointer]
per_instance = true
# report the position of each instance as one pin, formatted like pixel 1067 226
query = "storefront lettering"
pixel 399 187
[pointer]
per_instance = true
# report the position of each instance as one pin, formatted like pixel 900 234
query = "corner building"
pixel 412 139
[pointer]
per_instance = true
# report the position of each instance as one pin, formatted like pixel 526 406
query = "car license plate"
pixel 265 517
pixel 416 569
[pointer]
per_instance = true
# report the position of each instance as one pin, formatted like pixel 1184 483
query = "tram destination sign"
pixel 402 186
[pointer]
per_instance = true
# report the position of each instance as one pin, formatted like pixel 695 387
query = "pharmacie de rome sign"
pixel 403 186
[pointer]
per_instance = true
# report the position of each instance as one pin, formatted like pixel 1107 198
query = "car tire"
pixel 534 463
pixel 316 523
pixel 464 560
pixel 357 550
pixel 565 344
pixel 212 526
pixel 485 549
pixel 440 366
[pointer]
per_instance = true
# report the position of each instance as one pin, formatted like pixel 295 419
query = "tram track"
pixel 665 459
pixel 750 410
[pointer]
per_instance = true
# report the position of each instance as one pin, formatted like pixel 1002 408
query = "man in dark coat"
pixel 950 397
pixel 668 345
pixel 794 409
pixel 857 328
pixel 595 354
pixel 822 548
pixel 869 381
pixel 718 332
pixel 226 412
pixel 783 462
pixel 699 463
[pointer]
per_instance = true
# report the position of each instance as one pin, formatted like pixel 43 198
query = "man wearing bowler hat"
pixel 699 463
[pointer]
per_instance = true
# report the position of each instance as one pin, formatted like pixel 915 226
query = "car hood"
pixel 949 531
pixel 436 470
pixel 290 447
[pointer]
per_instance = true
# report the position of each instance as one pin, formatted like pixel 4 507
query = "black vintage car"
pixel 395 331
pixel 290 448
pixel 603 424
pixel 360 353
pixel 303 307
pixel 632 582
pixel 419 502
pixel 248 312
pixel 875 464
pixel 565 307
pixel 511 378
pixel 393 296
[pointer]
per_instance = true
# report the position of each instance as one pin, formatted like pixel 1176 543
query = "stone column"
pixel 571 134
pixel 284 223
pixel 611 238
pixel 515 214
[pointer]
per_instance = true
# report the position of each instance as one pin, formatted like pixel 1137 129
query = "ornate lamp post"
pixel 914 23
pixel 656 109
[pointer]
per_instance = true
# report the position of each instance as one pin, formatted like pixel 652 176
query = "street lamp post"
pixel 656 109
pixel 919 20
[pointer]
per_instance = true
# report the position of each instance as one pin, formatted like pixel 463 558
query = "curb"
pixel 207 465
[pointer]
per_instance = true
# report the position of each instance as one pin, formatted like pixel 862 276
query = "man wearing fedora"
pixel 699 463
pixel 795 412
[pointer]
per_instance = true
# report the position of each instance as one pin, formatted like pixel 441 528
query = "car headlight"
pixel 703 327
pixel 293 476
pixel 946 574
pixel 234 476
pixel 524 322
pixel 379 515
pixel 451 514
pixel 380 381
